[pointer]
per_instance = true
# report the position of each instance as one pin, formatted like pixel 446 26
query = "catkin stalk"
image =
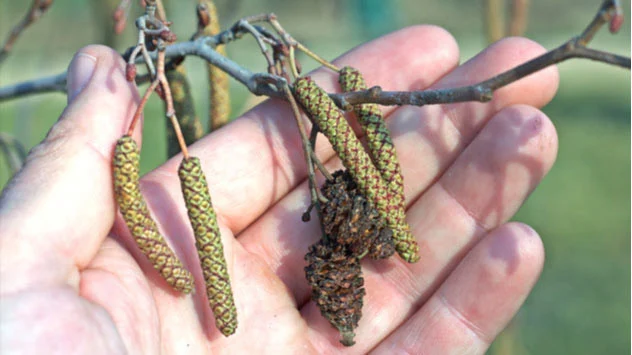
pixel 381 147
pixel 138 219
pixel 209 244
pixel 333 125
pixel 190 125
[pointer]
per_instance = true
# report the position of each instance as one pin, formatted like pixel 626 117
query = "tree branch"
pixel 272 85
pixel 37 9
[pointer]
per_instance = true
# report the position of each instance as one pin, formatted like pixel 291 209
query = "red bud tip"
pixel 616 22
pixel 119 27
pixel 118 14
pixel 130 72
pixel 203 16
pixel 168 36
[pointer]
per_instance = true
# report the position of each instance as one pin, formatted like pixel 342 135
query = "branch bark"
pixel 272 85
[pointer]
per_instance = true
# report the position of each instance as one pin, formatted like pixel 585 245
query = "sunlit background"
pixel 581 305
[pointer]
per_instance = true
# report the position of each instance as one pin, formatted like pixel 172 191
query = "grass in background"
pixel 581 305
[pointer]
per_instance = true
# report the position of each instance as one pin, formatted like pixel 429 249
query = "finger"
pixel 482 189
pixel 257 159
pixel 56 211
pixel 426 142
pixel 478 299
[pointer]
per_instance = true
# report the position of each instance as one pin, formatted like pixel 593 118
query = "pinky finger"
pixel 477 300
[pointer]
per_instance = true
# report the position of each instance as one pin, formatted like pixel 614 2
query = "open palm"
pixel 72 280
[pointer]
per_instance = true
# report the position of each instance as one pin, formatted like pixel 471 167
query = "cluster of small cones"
pixel 353 229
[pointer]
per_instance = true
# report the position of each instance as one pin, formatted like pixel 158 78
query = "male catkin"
pixel 219 90
pixel 378 137
pixel 209 244
pixel 333 125
pixel 138 219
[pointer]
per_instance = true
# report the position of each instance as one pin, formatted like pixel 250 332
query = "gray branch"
pixel 272 85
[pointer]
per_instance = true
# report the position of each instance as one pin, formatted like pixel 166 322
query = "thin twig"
pixel 319 164
pixel 261 42
pixel 141 106
pixel 316 196
pixel 271 18
pixel 37 9
pixel 53 83
pixel 13 151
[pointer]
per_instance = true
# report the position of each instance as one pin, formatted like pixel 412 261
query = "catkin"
pixel 138 219
pixel 378 137
pixel 333 125
pixel 218 79
pixel 209 244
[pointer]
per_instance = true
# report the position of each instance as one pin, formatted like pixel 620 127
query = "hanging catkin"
pixel 378 137
pixel 209 244
pixel 333 125
pixel 219 84
pixel 138 219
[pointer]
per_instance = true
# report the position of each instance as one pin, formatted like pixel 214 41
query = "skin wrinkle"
pixel 476 331
pixel 127 325
pixel 480 225
pixel 109 250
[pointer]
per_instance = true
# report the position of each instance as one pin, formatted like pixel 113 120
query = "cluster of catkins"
pixel 364 213
pixel 154 246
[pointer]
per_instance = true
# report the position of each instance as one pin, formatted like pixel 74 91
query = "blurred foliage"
pixel 581 304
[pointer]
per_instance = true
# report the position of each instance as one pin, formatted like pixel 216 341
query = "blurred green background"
pixel 581 305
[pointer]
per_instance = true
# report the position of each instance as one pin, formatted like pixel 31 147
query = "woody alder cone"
pixel 350 220
pixel 353 228
pixel 337 287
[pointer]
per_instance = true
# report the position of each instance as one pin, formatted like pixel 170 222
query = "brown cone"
pixel 337 287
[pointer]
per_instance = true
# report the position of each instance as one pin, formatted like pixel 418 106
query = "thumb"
pixel 55 213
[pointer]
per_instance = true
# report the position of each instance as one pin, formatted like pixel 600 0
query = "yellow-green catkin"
pixel 209 244
pixel 218 80
pixel 380 143
pixel 190 125
pixel 138 219
pixel 333 125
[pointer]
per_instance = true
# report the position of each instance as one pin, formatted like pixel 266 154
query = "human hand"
pixel 72 280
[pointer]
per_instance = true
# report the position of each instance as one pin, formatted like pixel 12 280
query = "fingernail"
pixel 79 74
